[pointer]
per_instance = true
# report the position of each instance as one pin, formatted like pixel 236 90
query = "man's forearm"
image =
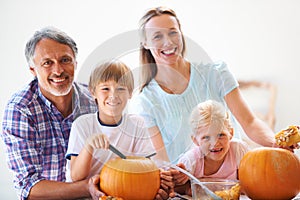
pixel 46 189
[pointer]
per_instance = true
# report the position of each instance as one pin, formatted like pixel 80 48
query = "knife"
pixel 116 151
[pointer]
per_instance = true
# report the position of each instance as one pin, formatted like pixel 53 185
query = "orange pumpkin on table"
pixel 133 178
pixel 110 198
pixel 270 173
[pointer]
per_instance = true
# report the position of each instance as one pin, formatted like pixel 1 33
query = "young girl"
pixel 216 154
pixel 111 85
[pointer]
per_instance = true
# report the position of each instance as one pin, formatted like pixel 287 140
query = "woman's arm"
pixel 255 128
pixel 158 144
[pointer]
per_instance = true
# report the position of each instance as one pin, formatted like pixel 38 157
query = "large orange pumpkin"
pixel 133 178
pixel 270 173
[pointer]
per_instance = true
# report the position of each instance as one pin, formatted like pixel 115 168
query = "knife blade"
pixel 116 151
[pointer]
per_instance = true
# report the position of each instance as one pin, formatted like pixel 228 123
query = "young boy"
pixel 216 154
pixel 111 84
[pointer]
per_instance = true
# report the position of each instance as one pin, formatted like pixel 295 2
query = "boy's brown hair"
pixel 112 71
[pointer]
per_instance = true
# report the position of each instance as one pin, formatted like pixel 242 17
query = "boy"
pixel 111 85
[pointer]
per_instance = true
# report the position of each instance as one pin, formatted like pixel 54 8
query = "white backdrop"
pixel 258 39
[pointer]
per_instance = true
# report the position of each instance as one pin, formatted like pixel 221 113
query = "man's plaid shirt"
pixel 36 135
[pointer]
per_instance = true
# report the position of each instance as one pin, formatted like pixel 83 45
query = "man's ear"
pixel 32 70
pixel 75 65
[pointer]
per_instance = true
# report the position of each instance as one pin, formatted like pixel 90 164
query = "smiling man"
pixel 38 119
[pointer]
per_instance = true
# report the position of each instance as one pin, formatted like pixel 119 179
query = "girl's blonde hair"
pixel 208 112
pixel 112 71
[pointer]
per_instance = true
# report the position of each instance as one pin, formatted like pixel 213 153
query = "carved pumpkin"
pixel 270 173
pixel 133 178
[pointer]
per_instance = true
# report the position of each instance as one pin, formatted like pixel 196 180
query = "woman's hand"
pixel 290 148
pixel 288 138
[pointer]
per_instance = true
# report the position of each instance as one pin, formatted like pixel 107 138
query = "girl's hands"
pixel 97 141
pixel 178 177
pixel 169 180
pixel 181 181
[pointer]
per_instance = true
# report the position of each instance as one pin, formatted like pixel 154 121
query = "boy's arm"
pixel 80 165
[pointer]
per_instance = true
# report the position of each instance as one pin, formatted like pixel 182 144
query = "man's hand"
pixel 94 187
pixel 166 186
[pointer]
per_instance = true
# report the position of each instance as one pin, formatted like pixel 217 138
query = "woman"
pixel 172 86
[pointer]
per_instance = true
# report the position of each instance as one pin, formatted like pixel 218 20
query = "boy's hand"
pixel 97 141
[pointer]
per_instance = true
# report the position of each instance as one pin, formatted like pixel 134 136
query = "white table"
pixel 242 197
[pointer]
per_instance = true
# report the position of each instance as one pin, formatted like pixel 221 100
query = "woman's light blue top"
pixel 171 112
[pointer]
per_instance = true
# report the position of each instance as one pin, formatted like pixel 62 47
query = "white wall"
pixel 258 39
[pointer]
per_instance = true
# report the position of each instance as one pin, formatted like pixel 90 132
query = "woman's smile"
pixel 169 52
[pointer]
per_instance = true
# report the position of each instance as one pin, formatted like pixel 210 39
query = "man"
pixel 38 119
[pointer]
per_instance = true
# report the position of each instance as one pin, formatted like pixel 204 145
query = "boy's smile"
pixel 111 99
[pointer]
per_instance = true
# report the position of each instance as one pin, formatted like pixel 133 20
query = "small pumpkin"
pixel 133 178
pixel 270 173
